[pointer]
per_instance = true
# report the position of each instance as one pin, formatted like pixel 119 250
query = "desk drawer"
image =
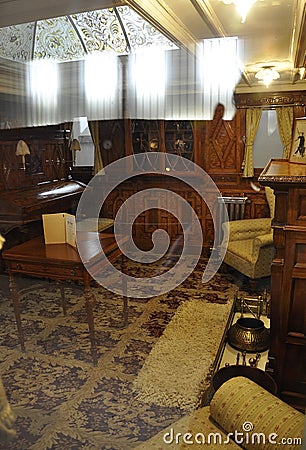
pixel 58 272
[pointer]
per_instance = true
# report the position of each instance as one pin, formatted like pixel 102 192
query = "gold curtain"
pixel 94 131
pixel 253 116
pixel 285 125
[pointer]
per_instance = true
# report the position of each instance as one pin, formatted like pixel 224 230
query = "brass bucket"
pixel 249 334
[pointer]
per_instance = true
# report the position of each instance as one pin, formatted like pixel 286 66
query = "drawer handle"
pixel 72 272
pixel 19 267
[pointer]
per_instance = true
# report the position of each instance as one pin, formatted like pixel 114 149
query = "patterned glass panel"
pixel 16 42
pixel 141 33
pixel 57 39
pixel 101 30
pixel 69 38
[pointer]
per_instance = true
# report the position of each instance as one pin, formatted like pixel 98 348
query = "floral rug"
pixel 60 399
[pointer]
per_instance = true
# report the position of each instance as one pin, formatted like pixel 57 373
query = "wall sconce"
pixel 75 146
pixel 242 6
pixel 22 149
pixel 267 74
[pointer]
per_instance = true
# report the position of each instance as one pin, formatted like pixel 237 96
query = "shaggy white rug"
pixel 174 374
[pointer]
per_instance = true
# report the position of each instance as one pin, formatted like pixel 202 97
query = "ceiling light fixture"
pixel 242 6
pixel 267 74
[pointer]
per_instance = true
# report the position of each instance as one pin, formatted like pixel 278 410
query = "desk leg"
pixel 89 303
pixel 16 305
pixel 125 310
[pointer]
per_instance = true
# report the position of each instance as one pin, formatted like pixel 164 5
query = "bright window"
pixel 81 132
pixel 267 143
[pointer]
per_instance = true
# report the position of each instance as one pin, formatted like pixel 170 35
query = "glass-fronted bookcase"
pixel 166 137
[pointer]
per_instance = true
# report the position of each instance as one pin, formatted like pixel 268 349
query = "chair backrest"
pixel 271 200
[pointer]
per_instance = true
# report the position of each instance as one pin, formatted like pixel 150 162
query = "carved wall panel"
pixel 224 145
pixel 156 218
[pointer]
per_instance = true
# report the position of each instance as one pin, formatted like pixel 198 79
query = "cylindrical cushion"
pixel 260 419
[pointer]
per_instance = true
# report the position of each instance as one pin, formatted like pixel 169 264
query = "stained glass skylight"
pixel 69 38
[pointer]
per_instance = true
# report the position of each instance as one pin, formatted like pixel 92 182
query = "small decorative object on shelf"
pixel 254 361
pixel 249 335
pixel 244 358
pixel 257 306
pixel 237 358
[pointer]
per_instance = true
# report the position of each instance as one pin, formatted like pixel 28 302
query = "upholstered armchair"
pixel 250 247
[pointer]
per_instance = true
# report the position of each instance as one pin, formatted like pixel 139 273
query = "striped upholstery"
pixel 250 248
pixel 240 403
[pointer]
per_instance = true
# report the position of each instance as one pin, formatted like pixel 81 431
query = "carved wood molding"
pixel 273 99
pixel 282 179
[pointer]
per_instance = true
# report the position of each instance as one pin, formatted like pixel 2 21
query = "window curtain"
pixel 253 116
pixel 146 84
pixel 220 71
pixel 285 125
pixel 185 84
pixel 94 131
pixel 102 86
pixel 43 92
pixel 179 84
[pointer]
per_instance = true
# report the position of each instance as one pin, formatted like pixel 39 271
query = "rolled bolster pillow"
pixel 255 418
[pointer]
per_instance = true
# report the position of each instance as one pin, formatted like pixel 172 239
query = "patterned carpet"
pixel 60 399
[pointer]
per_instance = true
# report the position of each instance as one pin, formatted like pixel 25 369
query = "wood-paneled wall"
pixel 218 149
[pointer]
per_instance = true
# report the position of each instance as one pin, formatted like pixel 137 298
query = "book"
pixel 59 228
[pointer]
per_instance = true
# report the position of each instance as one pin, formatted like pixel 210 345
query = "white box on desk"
pixel 59 228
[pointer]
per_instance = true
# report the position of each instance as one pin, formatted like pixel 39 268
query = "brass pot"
pixel 249 334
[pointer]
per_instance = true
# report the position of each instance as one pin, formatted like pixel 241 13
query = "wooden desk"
pixel 61 262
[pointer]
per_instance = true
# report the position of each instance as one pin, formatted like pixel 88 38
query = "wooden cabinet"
pixel 146 136
pixel 35 183
pixel 287 356
pixel 179 138
pixel 167 137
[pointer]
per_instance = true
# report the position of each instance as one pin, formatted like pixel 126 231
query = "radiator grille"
pixel 235 207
